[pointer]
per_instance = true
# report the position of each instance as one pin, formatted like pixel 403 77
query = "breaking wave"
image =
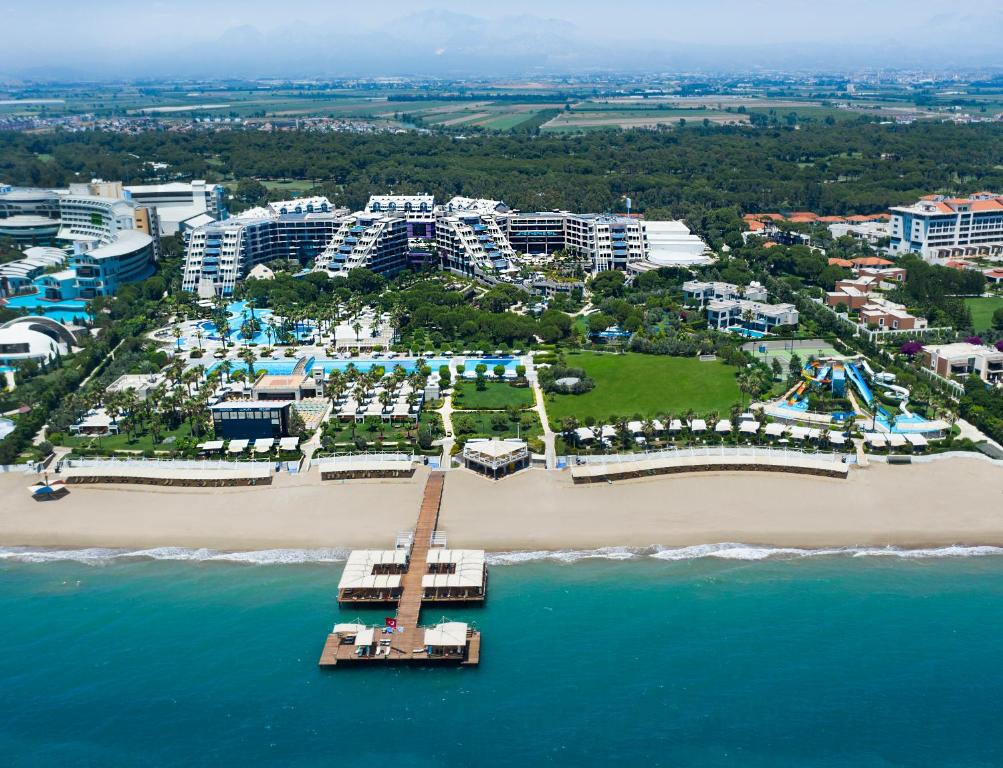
pixel 724 551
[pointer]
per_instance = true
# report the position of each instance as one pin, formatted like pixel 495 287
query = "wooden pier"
pixel 408 646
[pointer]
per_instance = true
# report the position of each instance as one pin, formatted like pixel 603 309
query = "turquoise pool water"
pixel 69 311
pixel 285 366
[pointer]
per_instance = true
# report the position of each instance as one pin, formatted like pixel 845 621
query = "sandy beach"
pixel 955 501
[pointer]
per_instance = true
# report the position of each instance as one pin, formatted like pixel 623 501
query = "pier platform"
pixel 409 579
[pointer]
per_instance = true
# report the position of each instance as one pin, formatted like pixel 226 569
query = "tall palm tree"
pixel 225 368
pixel 247 355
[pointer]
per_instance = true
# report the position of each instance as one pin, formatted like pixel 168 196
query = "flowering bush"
pixel 911 348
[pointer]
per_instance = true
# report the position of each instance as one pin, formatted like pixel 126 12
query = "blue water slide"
pixel 859 383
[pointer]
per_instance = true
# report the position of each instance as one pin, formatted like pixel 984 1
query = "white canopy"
pixel 876 439
pixel 675 425
pixel 263 444
pixel 749 427
pixel 724 425
pixel 775 429
pixel 896 440
pixel 289 443
pixel 452 634
pixel 348 629
pixel 799 433
pixel 365 636
pixel 698 425
pixel 237 446
pixel 916 439
pixel 837 438
pixel 212 445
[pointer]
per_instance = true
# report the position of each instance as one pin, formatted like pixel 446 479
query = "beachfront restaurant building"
pixel 496 458
pixel 251 419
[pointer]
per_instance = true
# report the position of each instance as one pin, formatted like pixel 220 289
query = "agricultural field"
pixel 646 385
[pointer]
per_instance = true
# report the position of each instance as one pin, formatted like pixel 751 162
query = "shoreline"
pixel 955 502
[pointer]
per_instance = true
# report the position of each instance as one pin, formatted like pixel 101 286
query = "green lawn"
pixel 647 385
pixel 497 396
pixel 982 311
pixel 483 425
pixel 138 441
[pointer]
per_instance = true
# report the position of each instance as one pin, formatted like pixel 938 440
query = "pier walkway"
pixel 407 643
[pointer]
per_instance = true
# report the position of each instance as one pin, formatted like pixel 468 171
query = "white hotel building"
pixel 939 227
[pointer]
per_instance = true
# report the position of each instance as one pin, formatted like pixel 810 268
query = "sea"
pixel 705 656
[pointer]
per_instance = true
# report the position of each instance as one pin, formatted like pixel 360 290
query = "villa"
pixel 963 359
pixel 702 292
pixel 749 315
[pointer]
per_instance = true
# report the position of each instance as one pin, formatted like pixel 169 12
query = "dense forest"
pixel 834 169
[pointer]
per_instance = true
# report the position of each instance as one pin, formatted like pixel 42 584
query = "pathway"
pixel 549 439
pixel 446 412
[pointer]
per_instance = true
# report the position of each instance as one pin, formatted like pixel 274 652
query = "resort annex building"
pixel 939 227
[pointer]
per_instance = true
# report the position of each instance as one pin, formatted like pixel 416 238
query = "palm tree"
pixel 225 369
pixel 569 426
pixel 198 338
pixel 176 330
pixel 247 355
pixel 648 429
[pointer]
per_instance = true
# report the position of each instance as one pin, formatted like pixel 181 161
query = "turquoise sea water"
pixel 824 661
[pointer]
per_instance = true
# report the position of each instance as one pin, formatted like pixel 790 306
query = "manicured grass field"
pixel 484 425
pixel 496 397
pixel 138 441
pixel 982 311
pixel 647 385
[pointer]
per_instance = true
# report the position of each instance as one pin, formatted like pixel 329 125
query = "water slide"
pixel 867 367
pixel 858 381
pixel 798 391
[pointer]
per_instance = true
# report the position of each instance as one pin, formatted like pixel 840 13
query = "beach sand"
pixel 955 501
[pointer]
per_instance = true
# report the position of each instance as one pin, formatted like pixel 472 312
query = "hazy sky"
pixel 258 38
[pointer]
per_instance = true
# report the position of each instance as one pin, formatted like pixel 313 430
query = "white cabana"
pixel 748 427
pixel 723 426
pixel 348 629
pixel 799 433
pixel 365 636
pixel 211 446
pixel 775 429
pixel 289 443
pixel 263 444
pixel 814 433
pixel 452 634
pixel 916 439
pixel 837 438
pixel 875 439
pixel 896 440
pixel 237 446
pixel 698 425
pixel 675 425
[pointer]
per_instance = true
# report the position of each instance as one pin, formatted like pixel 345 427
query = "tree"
pixel 998 319
pixel 794 367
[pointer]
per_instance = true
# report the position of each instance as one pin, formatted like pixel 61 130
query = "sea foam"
pixel 726 551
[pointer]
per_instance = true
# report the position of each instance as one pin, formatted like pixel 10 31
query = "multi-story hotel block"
pixel 939 227
pixel 105 241
pixel 371 241
pixel 417 210
pixel 472 244
pixel 222 252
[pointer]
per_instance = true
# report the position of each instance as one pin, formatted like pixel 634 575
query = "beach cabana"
pixel 775 429
pixel 799 433
pixel 723 426
pixel 289 443
pixel 448 638
pixel 211 446
pixel 237 446
pixel 748 427
pixel 917 440
pixel 698 425
pixel 896 440
pixel 837 438
pixel 875 439
pixel 814 433
pixel 676 425
pixel 47 491
pixel 263 444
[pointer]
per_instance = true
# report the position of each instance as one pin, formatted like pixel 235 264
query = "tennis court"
pixel 781 350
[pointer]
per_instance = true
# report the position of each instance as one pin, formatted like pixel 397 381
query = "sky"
pixel 253 38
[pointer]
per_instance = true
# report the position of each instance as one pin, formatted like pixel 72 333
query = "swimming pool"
pixel 365 364
pixel 747 332
pixel 68 311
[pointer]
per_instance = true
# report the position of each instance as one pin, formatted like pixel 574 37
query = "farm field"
pixel 647 385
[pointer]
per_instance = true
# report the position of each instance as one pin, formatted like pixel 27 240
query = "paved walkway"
pixel 446 412
pixel 549 439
